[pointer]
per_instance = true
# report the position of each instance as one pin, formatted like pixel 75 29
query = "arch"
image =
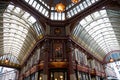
pixel 108 54
pixel 18 31
pixel 99 32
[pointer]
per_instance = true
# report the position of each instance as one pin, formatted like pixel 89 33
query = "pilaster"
pixel 70 61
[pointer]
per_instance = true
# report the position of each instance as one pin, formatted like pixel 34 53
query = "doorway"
pixel 58 75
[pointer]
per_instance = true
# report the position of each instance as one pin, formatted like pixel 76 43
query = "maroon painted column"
pixel 104 67
pixel 45 69
pixel 71 71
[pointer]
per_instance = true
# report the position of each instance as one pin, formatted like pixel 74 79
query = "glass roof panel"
pixel 47 7
pixel 10 57
pixel 98 28
pixel 80 7
pixel 114 55
pixel 17 10
pixel 26 15
pixel 18 32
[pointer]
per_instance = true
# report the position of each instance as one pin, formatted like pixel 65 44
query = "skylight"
pixel 18 32
pixel 96 30
pixel 14 30
pixel 48 10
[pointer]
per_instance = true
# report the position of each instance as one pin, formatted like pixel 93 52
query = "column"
pixel 93 64
pixel 104 67
pixel 86 63
pixel 89 76
pixel 45 69
pixel 71 70
pixel 16 74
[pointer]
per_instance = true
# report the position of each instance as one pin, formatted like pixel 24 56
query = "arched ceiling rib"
pixel 11 58
pixel 115 55
pixel 99 31
pixel 17 32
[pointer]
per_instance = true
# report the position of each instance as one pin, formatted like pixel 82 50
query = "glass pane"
pixel 31 2
pixel 58 75
pixel 98 29
pixel 17 33
pixel 34 4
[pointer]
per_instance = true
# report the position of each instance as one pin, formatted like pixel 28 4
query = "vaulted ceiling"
pixel 95 25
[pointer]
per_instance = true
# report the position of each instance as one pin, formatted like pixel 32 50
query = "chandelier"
pixel 60 7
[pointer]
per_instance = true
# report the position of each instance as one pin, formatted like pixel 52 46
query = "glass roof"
pixel 47 8
pixel 115 55
pixel 99 32
pixel 19 28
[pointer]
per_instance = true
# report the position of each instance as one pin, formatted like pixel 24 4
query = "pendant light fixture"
pixel 111 60
pixel 60 7
pixel 74 1
pixel 6 60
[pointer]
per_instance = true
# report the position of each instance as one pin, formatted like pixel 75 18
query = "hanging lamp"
pixel 6 60
pixel 60 7
pixel 111 60
pixel 74 1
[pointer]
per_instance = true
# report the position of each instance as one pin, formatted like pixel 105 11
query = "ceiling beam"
pixel 10 66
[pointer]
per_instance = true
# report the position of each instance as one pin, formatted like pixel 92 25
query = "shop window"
pixel 33 77
pixel 83 76
pixel 40 75
pixel 58 75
